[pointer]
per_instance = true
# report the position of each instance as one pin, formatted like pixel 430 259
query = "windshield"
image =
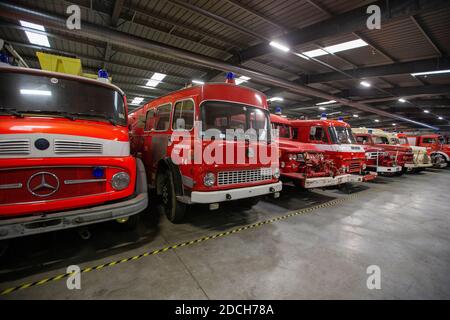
pixel 218 116
pixel 395 141
pixel 38 94
pixel 403 141
pixel 380 140
pixel 341 135
pixel 284 131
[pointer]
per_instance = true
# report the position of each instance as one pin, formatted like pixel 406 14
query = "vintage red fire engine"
pixel 204 115
pixel 378 159
pixel 304 163
pixel 394 156
pixel 436 145
pixel 64 153
pixel 334 137
pixel 422 156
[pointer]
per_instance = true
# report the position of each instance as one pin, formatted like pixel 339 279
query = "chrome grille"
pixel 70 146
pixel 13 147
pixel 355 165
pixel 244 176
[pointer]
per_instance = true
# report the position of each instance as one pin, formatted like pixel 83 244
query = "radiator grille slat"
pixel 68 146
pixel 12 147
pixel 244 176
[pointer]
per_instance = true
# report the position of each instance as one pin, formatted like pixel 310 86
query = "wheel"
pixel 248 203
pixel 173 209
pixel 439 161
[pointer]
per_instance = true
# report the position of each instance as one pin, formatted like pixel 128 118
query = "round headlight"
pixel 276 173
pixel 120 180
pixel 209 179
pixel 292 157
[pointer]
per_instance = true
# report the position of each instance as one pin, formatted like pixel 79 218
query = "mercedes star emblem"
pixel 43 184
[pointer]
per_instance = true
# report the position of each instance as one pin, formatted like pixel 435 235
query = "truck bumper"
pixel 326 181
pixel 25 226
pixel 381 169
pixel 418 165
pixel 232 194
pixel 29 225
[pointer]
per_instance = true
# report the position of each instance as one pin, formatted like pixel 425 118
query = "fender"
pixel 141 178
pixel 447 158
pixel 176 174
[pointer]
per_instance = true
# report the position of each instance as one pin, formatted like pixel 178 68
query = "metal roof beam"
pixel 426 36
pixel 348 22
pixel 398 91
pixel 117 9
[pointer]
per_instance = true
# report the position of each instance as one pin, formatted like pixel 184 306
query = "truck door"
pixel 156 138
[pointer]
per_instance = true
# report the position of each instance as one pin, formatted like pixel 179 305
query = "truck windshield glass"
pixel 380 140
pixel 403 141
pixel 218 116
pixel 342 135
pixel 395 141
pixel 37 94
pixel 284 131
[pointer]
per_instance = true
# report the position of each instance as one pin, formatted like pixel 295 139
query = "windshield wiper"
pixel 101 116
pixel 11 111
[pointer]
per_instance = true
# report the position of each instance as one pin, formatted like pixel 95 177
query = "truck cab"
pixel 203 145
pixel 396 158
pixel 422 157
pixel 304 163
pixel 334 137
pixel 64 153
pixel 436 145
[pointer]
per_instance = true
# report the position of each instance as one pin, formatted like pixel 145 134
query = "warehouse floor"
pixel 400 224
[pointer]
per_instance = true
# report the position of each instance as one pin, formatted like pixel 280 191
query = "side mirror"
pixel 180 124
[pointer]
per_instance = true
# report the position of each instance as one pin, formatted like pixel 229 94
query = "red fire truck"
pixel 335 138
pixel 304 163
pixel 64 154
pixel 394 156
pixel 436 145
pixel 205 115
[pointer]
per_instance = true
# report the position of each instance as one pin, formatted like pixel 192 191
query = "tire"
pixel 173 209
pixel 440 162
pixel 248 203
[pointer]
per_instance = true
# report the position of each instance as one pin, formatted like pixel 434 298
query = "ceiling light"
pixel 426 111
pixel 275 99
pixel 440 118
pixel 376 120
pixel 336 48
pixel 198 82
pixel 137 101
pixel 365 84
pixel 325 103
pixel 430 73
pixel 241 79
pixel 279 46
pixel 30 25
pixel 36 92
pixel 394 124
pixel 322 108
pixel 355 116
pixel 155 79
pixel 33 37
pixel 301 56
pixel 402 100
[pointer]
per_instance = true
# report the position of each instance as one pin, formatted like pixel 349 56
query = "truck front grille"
pixel 244 176
pixel 70 146
pixel 14 147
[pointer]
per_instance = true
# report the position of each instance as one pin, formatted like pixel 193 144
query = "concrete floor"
pixel 400 224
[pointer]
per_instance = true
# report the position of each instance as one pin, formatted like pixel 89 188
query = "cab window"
pixel 362 139
pixel 283 130
pixel 162 117
pixel 295 133
pixel 429 140
pixel 183 115
pixel 318 134
pixel 380 140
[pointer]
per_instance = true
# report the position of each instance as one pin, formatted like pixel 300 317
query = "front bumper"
pixel 19 227
pixel 381 169
pixel 418 165
pixel 232 194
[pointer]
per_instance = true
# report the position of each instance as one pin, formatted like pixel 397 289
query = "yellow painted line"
pixel 183 244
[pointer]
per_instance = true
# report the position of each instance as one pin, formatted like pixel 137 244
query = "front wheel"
pixel 440 162
pixel 172 208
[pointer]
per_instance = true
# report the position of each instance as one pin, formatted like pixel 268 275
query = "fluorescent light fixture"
pixel 33 37
pixel 426 111
pixel 402 100
pixel 322 108
pixel 155 79
pixel 325 103
pixel 275 99
pixel 365 84
pixel 241 79
pixel 336 48
pixel 302 56
pixel 279 46
pixel 137 101
pixel 430 73
pixel 376 120
pixel 30 25
pixel 355 116
pixel 440 118
pixel 394 124
pixel 36 92
pixel 197 82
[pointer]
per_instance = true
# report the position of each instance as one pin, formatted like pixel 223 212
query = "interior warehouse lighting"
pixel 241 79
pixel 33 37
pixel 336 48
pixel 155 79
pixel 279 46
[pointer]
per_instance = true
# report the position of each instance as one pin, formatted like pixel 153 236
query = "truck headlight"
pixel 276 173
pixel 292 157
pixel 120 180
pixel 209 179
